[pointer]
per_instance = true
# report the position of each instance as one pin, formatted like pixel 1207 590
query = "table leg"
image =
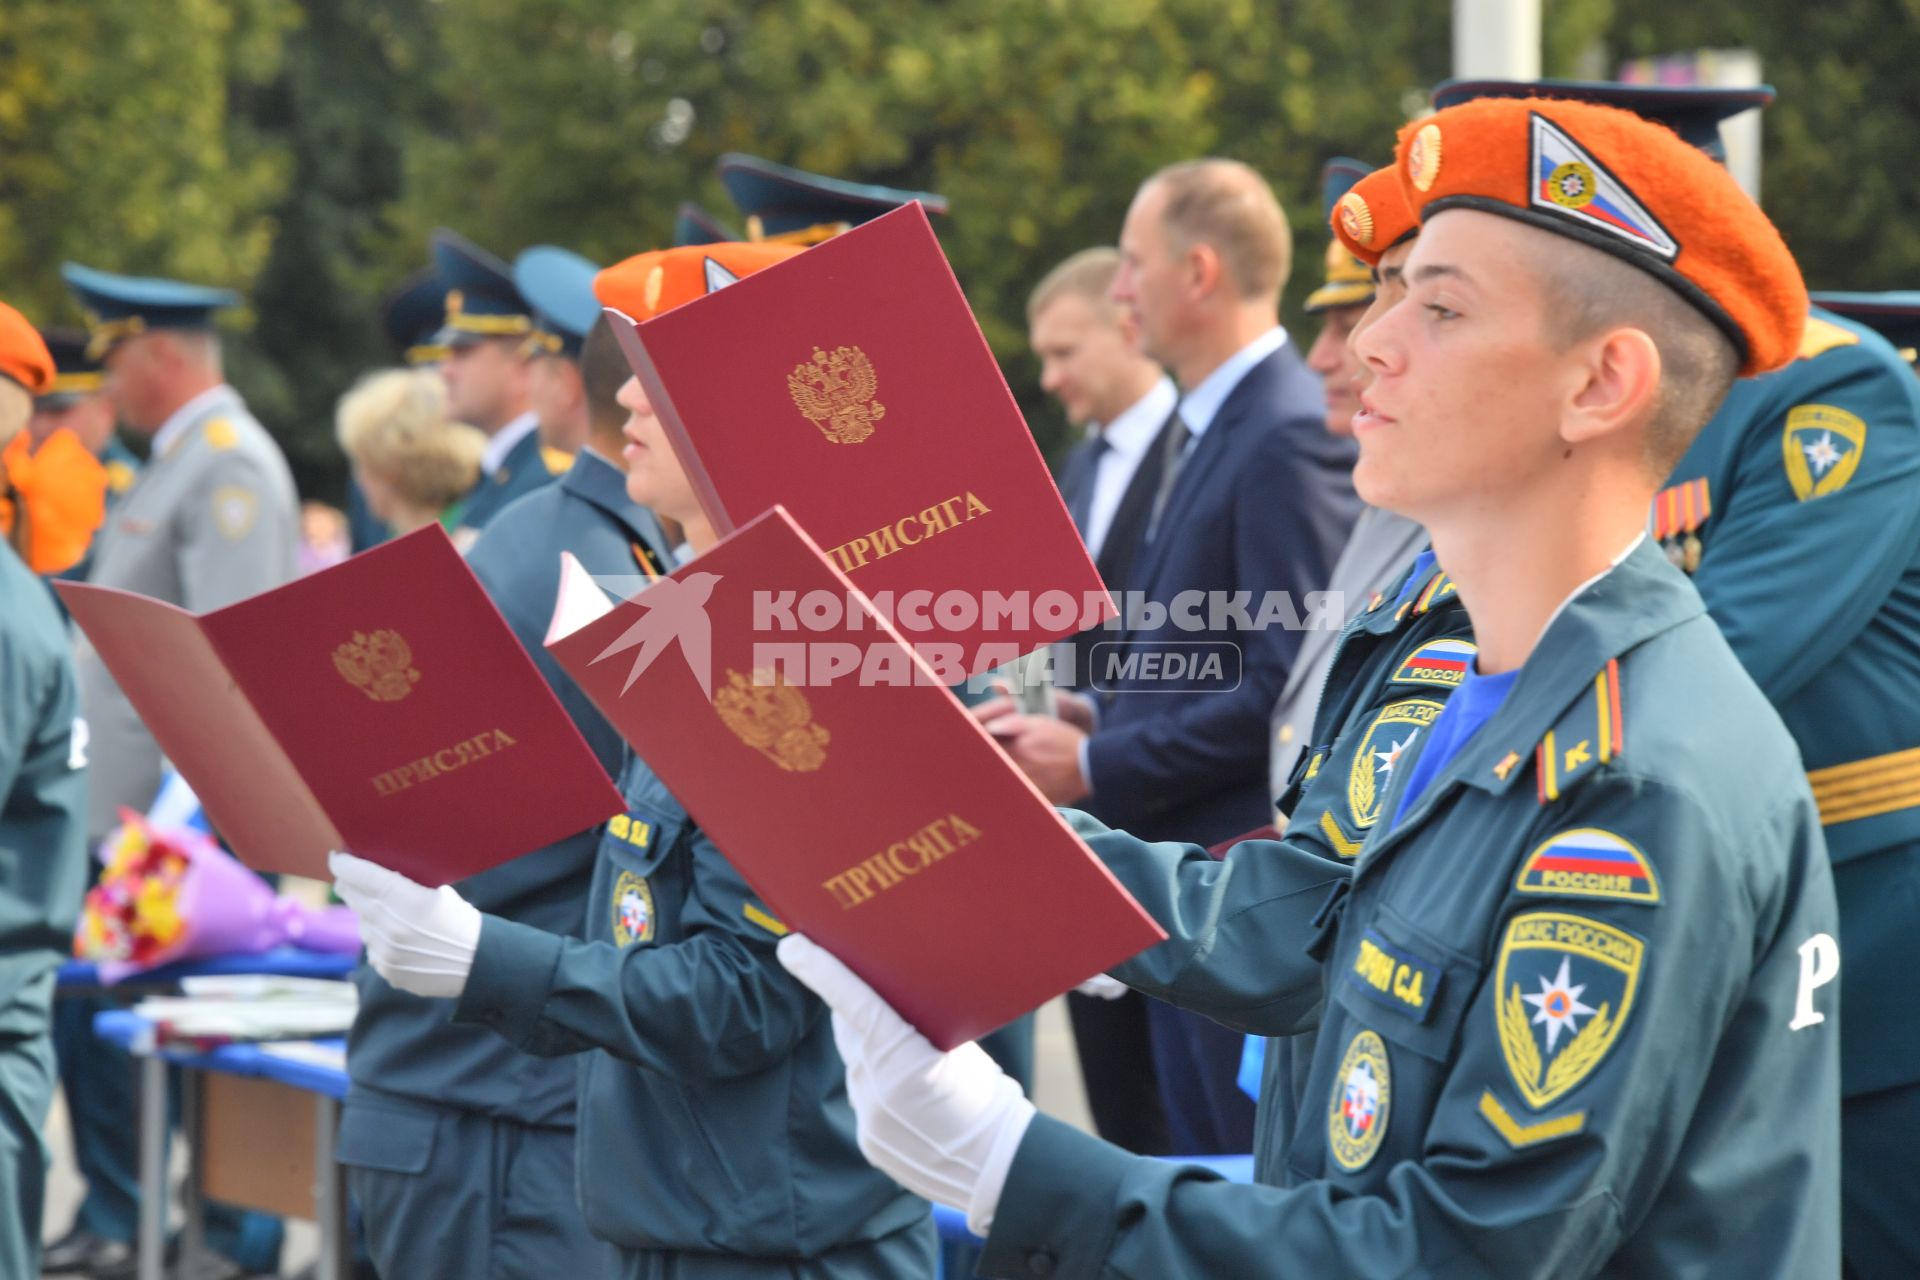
pixel 153 1167
pixel 193 1236
pixel 330 1194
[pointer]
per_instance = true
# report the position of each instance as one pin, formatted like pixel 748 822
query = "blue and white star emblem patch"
pixel 1565 985
pixel 1822 447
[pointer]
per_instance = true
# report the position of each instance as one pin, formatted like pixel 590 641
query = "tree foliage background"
pixel 301 150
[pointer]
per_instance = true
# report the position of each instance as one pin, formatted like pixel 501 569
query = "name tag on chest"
pixel 1395 977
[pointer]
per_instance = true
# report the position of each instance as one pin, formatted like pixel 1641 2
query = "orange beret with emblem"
pixel 1627 186
pixel 23 352
pixel 648 284
pixel 1374 216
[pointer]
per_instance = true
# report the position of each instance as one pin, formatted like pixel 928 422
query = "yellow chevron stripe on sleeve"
pixel 1527 1135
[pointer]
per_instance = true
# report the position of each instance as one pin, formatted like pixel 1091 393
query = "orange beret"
pixel 23 352
pixel 1625 185
pixel 1374 216
pixel 648 284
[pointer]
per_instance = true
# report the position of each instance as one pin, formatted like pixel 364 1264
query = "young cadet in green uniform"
pixel 1794 513
pixel 458 1147
pixel 1579 1013
pixel 784 205
pixel 96 1079
pixel 715 1138
pixel 43 860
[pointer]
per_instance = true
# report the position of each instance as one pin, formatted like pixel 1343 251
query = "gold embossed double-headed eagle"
pixel 774 718
pixel 379 664
pixel 835 391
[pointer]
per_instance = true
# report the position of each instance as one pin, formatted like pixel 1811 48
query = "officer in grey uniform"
pixel 459 1147
pixel 42 852
pixel 212 519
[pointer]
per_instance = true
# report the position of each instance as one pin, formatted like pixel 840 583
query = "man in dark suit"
pixel 1091 362
pixel 1251 508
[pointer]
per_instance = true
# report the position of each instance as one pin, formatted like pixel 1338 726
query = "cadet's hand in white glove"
pixel 944 1125
pixel 421 940
pixel 1103 987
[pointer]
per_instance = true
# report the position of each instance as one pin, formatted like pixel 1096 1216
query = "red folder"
pixel 863 803
pixel 381 705
pixel 850 384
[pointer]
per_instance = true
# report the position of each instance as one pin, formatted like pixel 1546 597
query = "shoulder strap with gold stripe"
pixel 1589 734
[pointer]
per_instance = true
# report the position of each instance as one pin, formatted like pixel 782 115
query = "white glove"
pixel 421 940
pixel 945 1125
pixel 1103 987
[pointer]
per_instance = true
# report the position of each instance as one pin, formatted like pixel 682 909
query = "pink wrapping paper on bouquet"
pixel 173 894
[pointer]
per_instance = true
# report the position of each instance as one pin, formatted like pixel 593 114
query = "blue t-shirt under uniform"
pixel 1471 706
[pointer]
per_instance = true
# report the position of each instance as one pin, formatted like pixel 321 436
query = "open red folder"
pixel 381 705
pixel 844 781
pixel 851 384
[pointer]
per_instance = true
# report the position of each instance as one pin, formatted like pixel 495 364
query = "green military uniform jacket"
pixel 1797 511
pixel 716 1118
pixel 43 861
pixel 404 1044
pixel 1384 681
pixel 1569 1009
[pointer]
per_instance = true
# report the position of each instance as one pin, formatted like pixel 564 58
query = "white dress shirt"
pixel 501 442
pixel 1127 437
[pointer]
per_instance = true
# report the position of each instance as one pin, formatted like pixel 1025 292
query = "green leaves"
pixel 114 121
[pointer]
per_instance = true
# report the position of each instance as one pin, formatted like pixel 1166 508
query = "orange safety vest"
pixel 63 489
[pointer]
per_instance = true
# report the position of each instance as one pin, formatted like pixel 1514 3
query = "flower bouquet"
pixel 171 894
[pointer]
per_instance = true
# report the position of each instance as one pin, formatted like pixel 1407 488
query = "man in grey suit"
pixel 1382 544
pixel 212 519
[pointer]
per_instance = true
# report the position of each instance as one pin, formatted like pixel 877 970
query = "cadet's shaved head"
pixel 1587 292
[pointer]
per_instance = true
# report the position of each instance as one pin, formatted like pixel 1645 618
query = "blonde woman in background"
pixel 415 465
